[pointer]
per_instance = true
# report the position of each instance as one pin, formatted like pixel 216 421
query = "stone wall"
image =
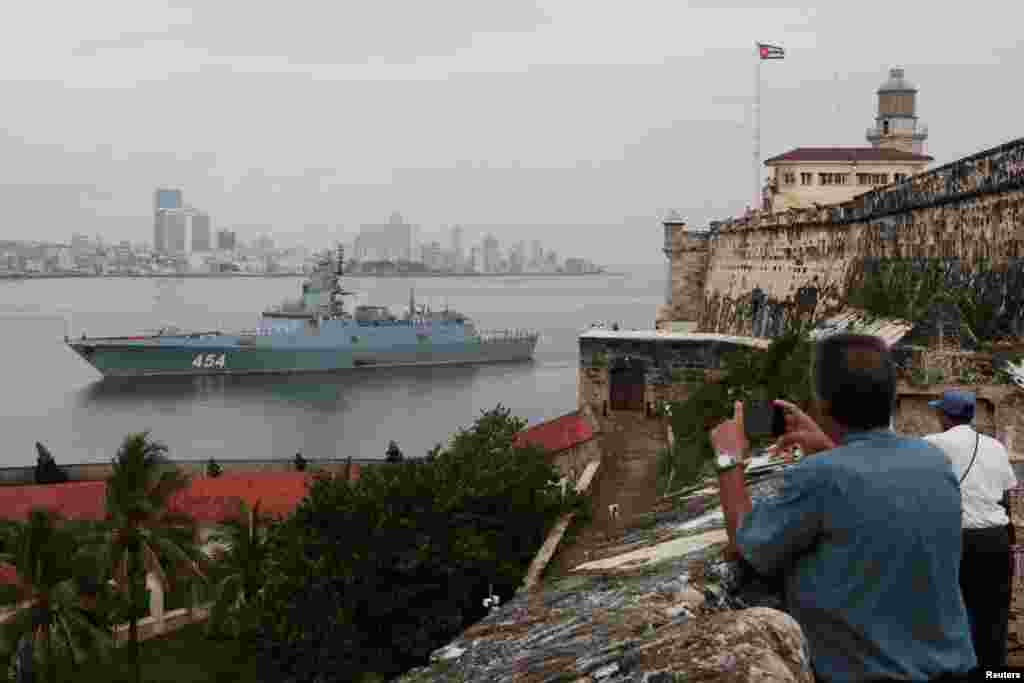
pixel 967 216
pixel 666 360
pixel 1000 410
pixel 688 258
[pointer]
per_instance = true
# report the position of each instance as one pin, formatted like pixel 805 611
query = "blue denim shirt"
pixel 867 536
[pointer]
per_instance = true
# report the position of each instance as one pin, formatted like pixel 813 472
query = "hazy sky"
pixel 585 112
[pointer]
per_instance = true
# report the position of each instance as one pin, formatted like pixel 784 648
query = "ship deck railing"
pixel 490 336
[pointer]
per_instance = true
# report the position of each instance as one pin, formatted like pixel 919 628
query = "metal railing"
pixel 490 336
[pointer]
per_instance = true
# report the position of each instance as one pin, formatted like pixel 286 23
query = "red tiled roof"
pixel 207 499
pixel 558 434
pixel 211 499
pixel 8 573
pixel 850 154
pixel 73 500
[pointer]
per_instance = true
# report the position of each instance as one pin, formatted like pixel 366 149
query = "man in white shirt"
pixel 982 466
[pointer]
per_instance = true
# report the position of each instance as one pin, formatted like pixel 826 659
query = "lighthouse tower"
pixel 896 125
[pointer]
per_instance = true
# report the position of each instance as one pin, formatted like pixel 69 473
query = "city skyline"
pixel 520 115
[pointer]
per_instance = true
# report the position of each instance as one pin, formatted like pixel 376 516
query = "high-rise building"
pixel 536 254
pixel 457 236
pixel 172 226
pixel 226 240
pixel 79 244
pixel 491 256
pixel 167 198
pixel 431 255
pixel 201 231
pixel 391 241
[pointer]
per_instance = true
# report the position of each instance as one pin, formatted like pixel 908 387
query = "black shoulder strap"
pixel 977 441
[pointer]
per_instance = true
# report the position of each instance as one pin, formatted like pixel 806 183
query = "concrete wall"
pixel 100 471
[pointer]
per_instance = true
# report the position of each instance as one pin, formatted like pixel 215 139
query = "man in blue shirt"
pixel 866 533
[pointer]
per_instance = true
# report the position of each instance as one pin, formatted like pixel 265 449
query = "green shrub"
pixel 781 371
pixel 375 575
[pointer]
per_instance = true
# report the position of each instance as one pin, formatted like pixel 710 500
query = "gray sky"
pixel 582 112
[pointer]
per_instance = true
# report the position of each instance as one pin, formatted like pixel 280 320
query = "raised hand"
pixel 801 431
pixel 730 436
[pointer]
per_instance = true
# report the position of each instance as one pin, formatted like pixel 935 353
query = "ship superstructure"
pixel 315 333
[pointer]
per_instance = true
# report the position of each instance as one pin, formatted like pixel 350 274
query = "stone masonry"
pixel 804 262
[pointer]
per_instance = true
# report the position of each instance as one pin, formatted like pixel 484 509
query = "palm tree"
pixel 241 569
pixel 142 536
pixel 47 597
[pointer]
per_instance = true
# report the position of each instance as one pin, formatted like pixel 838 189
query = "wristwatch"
pixel 725 461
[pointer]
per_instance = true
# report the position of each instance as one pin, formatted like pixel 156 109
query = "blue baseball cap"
pixel 957 404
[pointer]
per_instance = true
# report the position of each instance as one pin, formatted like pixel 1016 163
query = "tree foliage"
pixel 781 371
pixel 140 536
pixel 43 552
pixel 374 575
pixel 239 572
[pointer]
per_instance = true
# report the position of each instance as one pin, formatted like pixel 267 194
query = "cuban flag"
pixel 770 51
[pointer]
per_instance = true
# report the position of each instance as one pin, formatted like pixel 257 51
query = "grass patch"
pixel 184 655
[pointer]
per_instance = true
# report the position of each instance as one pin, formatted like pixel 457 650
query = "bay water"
pixel 48 394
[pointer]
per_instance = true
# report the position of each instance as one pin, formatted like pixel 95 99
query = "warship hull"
pixel 116 358
pixel 314 334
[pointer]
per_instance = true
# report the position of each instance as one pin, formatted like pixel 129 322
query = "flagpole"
pixel 757 127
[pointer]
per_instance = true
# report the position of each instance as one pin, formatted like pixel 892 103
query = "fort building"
pixel 808 176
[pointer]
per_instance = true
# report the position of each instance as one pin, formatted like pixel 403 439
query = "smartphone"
pixel 763 418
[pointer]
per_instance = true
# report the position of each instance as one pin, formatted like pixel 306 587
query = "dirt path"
pixel 627 478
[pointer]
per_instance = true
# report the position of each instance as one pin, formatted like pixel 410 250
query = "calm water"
pixel 48 394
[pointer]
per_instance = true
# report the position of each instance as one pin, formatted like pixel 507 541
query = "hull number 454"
pixel 208 360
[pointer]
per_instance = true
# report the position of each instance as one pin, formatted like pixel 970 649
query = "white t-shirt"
pixel 988 479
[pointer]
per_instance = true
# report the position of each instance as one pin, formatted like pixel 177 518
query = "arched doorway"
pixel 626 381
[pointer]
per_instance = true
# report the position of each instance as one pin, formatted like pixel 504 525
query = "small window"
pixel 824 178
pixel 806 178
pixel 789 178
pixel 885 127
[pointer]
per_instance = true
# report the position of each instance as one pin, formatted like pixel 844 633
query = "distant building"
pixel 491 255
pixel 226 240
pixel 167 198
pixel 806 176
pixel 201 232
pixel 475 260
pixel 458 257
pixel 263 243
pixel 170 233
pixel 80 242
pixel 391 241
pixel 431 255
pixel 536 255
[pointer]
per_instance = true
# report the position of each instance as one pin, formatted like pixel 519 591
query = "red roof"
pixel 73 500
pixel 558 434
pixel 8 573
pixel 207 499
pixel 848 154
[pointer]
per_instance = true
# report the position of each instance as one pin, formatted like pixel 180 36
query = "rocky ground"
pixel 680 615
